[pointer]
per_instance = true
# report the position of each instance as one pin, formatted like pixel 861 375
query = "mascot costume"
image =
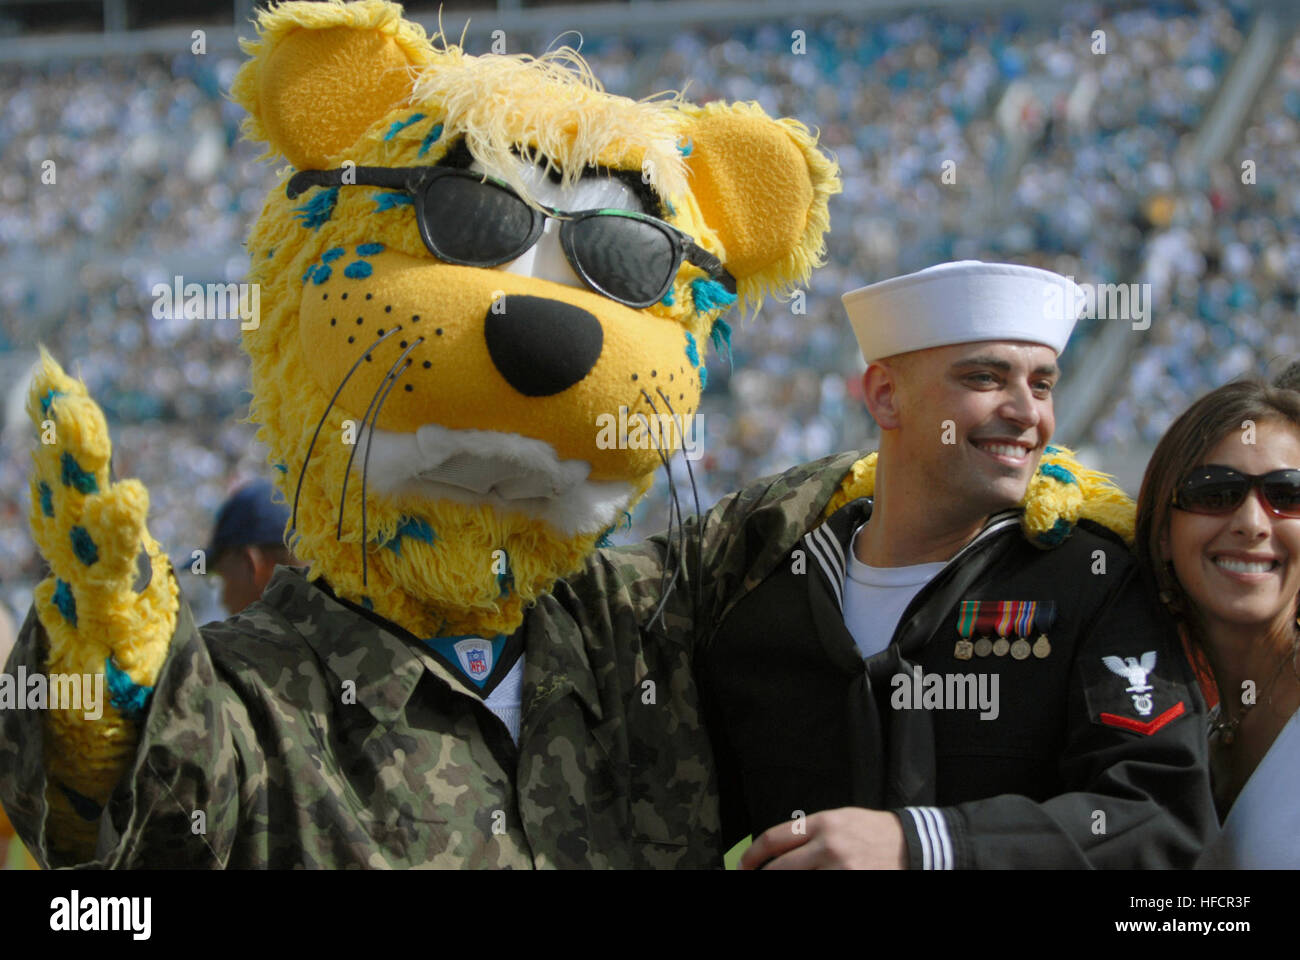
pixel 471 266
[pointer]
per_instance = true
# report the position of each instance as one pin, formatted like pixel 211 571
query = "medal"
pixel 986 622
pixel 1006 610
pixel 1044 619
pixel 1022 617
pixel 965 623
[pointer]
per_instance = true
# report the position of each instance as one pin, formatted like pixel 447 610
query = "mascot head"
pixel 472 265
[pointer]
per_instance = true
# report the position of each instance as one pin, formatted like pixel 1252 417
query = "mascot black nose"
pixel 541 346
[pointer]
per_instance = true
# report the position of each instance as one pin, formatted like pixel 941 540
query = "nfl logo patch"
pixel 475 656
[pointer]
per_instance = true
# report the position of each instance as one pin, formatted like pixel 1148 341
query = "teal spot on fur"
pixel 412 527
pixel 430 138
pixel 283 468
pixel 704 376
pixel 692 352
pixel 671 210
pixel 83 546
pixel 402 125
pixel 320 275
pixel 307 275
pixel 65 601
pixel 626 523
pixel 368 603
pixel 1057 473
pixel 124 693
pixel 668 301
pixel 685 150
pixel 318 209
pixel 270 253
pixel 1051 449
pixel 74 476
pixel 48 399
pixel 47 499
pixel 505 579
pixel 370 249
pixel 720 337
pixel 1060 530
pixel 390 199
pixel 332 254
pixel 357 270
pixel 710 295
pixel 416 528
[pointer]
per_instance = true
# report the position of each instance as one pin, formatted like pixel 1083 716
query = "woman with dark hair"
pixel 1218 525
pixel 1290 377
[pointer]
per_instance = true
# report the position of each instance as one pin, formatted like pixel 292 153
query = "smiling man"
pixel 841 693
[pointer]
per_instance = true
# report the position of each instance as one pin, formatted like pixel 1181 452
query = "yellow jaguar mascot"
pixel 469 265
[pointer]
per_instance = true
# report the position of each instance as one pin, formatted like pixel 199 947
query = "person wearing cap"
pixel 933 677
pixel 248 544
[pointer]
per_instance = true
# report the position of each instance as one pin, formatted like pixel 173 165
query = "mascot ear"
pixel 762 186
pixel 320 74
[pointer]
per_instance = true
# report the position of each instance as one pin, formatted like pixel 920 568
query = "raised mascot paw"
pixel 108 608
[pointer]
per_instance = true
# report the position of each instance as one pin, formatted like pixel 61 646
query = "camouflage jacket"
pixel 306 732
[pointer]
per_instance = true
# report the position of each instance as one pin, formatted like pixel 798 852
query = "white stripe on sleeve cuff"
pixel 936 845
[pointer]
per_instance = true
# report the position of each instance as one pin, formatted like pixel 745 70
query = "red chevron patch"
pixel 1150 726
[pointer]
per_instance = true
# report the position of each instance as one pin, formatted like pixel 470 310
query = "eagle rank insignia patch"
pixel 1130 693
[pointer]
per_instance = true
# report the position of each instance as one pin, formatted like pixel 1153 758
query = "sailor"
pixel 945 575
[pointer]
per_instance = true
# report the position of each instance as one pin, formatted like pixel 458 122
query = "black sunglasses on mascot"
pixel 1216 489
pixel 473 221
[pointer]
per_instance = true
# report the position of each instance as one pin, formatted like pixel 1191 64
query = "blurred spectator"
pixel 1057 155
pixel 7 635
pixel 247 544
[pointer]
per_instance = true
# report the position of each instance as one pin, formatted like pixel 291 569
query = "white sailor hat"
pixel 963 302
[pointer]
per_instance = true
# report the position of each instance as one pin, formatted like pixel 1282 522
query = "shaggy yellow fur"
pixel 111 618
pixel 551 108
pixel 279 94
pixel 554 110
pixel 1052 505
pixel 328 83
pixel 770 214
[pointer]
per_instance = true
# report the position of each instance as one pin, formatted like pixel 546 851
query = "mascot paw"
pixel 109 607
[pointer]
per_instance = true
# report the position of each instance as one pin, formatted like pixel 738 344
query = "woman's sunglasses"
pixel 1216 489
pixel 473 221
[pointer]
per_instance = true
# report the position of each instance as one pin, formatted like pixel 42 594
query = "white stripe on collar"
pixel 830 551
pixel 834 549
pixel 834 574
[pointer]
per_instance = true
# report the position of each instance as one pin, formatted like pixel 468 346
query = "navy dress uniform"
pixel 1084 744
pixel 1071 770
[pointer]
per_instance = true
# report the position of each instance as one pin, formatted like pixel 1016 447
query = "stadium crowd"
pixel 960 135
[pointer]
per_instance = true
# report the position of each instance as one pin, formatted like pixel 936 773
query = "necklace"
pixel 1227 729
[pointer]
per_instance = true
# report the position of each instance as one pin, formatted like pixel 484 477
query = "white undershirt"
pixel 504 700
pixel 875 597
